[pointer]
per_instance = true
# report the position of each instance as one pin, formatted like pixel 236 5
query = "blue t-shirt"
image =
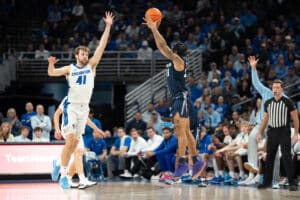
pixel 88 133
pixel 25 119
pixel 97 146
pixel 127 142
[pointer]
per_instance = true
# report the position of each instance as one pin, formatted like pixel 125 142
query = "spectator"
pixel 145 52
pixel 26 117
pixel 238 65
pixel 212 118
pixel 156 123
pixel 163 109
pixel 38 135
pixel 154 140
pixel 214 72
pixel 176 39
pixel 107 134
pixel 191 43
pixel 5 133
pixel 132 29
pixel 13 120
pixel 137 145
pixel 244 90
pixel 115 161
pixel 221 108
pixel 43 121
pixel 291 81
pixel 88 133
pixel 78 10
pixel 23 137
pixel 42 53
pixel 280 68
pixel 54 15
pixel 82 25
pixel 148 113
pixel 204 142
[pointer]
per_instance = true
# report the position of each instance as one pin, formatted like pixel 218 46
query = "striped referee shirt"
pixel 279 111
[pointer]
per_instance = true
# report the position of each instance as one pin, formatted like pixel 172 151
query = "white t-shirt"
pixel 137 146
pixel 154 142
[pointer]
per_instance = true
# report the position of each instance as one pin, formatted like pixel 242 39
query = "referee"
pixel 278 113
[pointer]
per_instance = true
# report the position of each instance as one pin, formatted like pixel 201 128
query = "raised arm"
pixel 162 45
pixel 108 19
pixel 52 71
pixel 254 76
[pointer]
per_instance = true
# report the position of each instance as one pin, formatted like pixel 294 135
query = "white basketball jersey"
pixel 81 84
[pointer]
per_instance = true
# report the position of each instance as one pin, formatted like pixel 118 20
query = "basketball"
pixel 154 14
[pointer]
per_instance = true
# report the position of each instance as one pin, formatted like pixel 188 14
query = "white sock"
pixel 69 177
pixel 221 173
pixel 81 178
pixel 242 174
pixel 231 174
pixel 63 171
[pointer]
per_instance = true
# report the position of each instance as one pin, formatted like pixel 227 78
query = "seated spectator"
pixel 54 15
pixel 43 121
pixel 78 10
pixel 137 145
pixel 145 52
pixel 191 43
pixel 280 68
pixel 214 72
pixel 23 137
pixel 165 154
pixel 163 110
pixel 93 44
pixel 107 134
pixel 235 150
pixel 38 135
pixel 243 89
pixel 136 123
pixel 291 79
pixel 156 123
pixel 5 133
pixel 238 65
pixel 25 118
pixel 148 113
pixel 195 92
pixel 221 108
pixel 115 161
pixel 42 53
pixel 13 120
pixel 229 78
pixel 212 118
pixel 154 140
pixel 88 133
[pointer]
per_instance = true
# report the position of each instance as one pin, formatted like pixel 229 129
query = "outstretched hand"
pixel 253 62
pixel 148 21
pixel 109 18
pixel 52 60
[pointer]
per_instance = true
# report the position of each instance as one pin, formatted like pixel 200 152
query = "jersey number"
pixel 81 80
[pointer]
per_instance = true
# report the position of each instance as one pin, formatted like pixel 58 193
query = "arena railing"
pixel 114 66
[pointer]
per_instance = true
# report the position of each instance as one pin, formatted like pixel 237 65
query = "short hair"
pixel 122 128
pixel 150 127
pixel 168 129
pixel 180 49
pixel 37 129
pixel 133 130
pixel 82 48
pixel 278 81
pixel 23 128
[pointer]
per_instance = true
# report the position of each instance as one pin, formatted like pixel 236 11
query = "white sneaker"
pixel 275 185
pixel 136 176
pixel 86 184
pixel 74 185
pixel 126 174
pixel 245 182
pixel 257 178
pixel 284 181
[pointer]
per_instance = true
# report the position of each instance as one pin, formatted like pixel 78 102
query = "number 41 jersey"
pixel 81 84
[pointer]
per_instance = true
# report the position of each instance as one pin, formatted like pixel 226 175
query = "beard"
pixel 83 62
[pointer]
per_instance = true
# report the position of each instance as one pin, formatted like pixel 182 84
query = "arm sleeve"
pixel 290 104
pixel 266 106
pixel 257 84
pixel 127 142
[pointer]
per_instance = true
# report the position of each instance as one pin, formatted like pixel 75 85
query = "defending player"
pixel 80 77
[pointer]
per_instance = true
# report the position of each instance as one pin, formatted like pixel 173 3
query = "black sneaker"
pixel 293 188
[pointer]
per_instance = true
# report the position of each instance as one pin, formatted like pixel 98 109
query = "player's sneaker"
pixel 64 182
pixel 251 168
pixel 186 178
pixel 55 171
pixel 203 184
pixel 165 177
pixel 275 185
pixel 284 182
pixel 181 169
pixel 198 168
pixel 228 179
pixel 73 184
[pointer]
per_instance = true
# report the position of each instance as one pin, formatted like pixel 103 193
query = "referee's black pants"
pixel 276 137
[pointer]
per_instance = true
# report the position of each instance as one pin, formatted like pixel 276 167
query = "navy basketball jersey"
pixel 176 80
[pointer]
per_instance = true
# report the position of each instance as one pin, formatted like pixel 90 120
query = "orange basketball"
pixel 154 14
